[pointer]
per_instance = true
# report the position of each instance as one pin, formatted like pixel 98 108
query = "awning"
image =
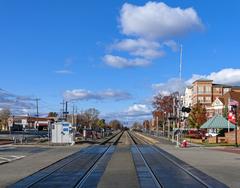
pixel 217 122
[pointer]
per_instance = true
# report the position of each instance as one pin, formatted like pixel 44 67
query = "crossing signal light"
pixel 186 109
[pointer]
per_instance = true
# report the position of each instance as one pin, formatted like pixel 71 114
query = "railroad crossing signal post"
pixel 168 129
pixel 235 109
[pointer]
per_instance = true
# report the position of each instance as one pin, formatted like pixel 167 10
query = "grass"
pixel 220 144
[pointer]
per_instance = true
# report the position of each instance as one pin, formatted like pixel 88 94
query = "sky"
pixel 112 55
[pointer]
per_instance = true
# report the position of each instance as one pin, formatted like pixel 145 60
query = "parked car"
pixel 211 132
pixel 197 134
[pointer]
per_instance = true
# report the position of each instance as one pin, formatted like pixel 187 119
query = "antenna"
pixel 180 66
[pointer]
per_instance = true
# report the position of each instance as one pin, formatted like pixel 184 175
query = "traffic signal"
pixel 186 109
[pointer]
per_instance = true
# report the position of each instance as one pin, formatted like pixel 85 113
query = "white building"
pixel 187 99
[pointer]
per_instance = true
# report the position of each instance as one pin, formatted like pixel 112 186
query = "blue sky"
pixel 112 55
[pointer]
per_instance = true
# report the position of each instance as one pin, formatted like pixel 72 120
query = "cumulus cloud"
pixel 82 94
pixel 153 26
pixel 135 112
pixel 225 76
pixel 158 20
pixel 139 47
pixel 228 76
pixel 171 86
pixel 138 109
pixel 121 62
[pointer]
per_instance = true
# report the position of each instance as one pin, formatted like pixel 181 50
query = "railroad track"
pixel 81 169
pixel 163 171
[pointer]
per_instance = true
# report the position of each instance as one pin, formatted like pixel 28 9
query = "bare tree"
pixel 88 118
pixel 115 124
pixel 4 115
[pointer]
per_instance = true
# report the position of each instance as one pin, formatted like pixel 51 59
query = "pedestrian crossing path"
pixel 9 158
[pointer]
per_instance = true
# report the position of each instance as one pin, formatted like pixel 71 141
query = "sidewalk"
pixel 224 166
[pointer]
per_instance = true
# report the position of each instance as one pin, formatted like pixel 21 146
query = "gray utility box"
pixel 62 132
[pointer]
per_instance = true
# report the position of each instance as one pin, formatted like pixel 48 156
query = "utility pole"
pixel 62 103
pixel 37 99
pixel 73 115
pixel 66 110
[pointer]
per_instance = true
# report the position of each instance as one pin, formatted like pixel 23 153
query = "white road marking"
pixel 10 158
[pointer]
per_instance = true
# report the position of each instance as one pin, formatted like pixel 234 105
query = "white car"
pixel 211 134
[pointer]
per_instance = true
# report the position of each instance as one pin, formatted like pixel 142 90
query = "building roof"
pixel 217 122
pixel 222 85
pixel 231 95
pixel 203 80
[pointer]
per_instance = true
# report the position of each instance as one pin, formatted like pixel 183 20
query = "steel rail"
pixel 88 173
pixel 156 181
pixel 37 180
pixel 175 163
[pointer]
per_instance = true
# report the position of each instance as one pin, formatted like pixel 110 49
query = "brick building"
pixel 205 91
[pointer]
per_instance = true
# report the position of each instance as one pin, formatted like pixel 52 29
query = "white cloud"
pixel 135 112
pixel 67 66
pixel 63 72
pixel 153 26
pixel 158 20
pixel 138 108
pixel 16 103
pixel 82 94
pixel 225 76
pixel 139 47
pixel 171 86
pixel 171 44
pixel 120 62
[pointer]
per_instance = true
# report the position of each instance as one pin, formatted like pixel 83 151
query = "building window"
pixel 225 90
pixel 201 99
pixel 208 89
pixel 208 99
pixel 200 89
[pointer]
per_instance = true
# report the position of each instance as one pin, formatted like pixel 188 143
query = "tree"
pixel 146 124
pixel 225 112
pixel 52 114
pixel 101 123
pixel 115 124
pixel 4 115
pixel 197 116
pixel 164 104
pixel 88 118
pixel 137 126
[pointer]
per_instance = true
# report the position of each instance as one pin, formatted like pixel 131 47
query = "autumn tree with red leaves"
pixel 197 116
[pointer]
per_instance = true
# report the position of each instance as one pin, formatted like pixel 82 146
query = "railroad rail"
pixel 164 171
pixel 76 170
